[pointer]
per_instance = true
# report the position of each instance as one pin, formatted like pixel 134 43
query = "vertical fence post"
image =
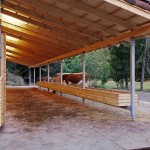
pixel 132 76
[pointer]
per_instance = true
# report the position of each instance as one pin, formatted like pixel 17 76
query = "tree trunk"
pixel 143 65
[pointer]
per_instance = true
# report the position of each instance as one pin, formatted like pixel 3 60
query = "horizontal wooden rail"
pixel 110 97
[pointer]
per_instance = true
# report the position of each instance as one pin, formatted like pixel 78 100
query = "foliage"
pixel 120 64
pixel 97 65
pixel 73 64
pixel 17 69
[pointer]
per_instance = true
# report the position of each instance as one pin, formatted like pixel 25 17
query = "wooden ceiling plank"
pixel 45 19
pixel 18 62
pixel 101 44
pixel 38 53
pixel 103 15
pixel 33 35
pixel 32 46
pixel 32 41
pixel 45 7
pixel 21 58
pixel 22 55
pixel 136 10
pixel 11 31
pixel 36 46
pixel 54 33
pixel 23 52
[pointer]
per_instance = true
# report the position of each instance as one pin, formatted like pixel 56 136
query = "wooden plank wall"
pixel 3 81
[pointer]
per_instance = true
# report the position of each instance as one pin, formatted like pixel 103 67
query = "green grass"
pixel 112 85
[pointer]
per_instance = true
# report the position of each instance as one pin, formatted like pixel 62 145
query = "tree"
pixel 98 65
pixel 145 61
pixel 120 64
pixel 73 64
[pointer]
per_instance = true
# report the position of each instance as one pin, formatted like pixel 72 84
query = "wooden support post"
pixel 2 79
pixel 40 73
pixel 34 75
pixel 83 67
pixel 132 76
pixel 29 76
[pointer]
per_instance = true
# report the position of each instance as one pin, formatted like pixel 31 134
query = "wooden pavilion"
pixel 38 32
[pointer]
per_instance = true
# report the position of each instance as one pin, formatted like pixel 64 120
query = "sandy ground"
pixel 39 120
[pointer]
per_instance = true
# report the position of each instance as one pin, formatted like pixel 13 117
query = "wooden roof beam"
pixel 45 7
pixel 33 46
pixel 28 50
pixel 101 44
pixel 45 19
pixel 51 47
pixel 134 9
pixel 20 46
pixel 23 59
pixel 42 25
pixel 23 52
pixel 103 15
pixel 14 60
pixel 22 55
pixel 36 36
pixel 53 33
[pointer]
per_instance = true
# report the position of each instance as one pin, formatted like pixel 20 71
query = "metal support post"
pixel 48 69
pixel 61 71
pixel 132 76
pixel 29 76
pixel 40 73
pixel 34 75
pixel 83 67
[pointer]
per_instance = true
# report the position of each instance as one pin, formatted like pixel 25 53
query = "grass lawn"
pixel 112 85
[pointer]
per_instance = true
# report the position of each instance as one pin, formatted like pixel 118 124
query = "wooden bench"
pixel 111 97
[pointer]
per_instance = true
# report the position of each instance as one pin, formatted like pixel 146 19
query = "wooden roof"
pixel 50 30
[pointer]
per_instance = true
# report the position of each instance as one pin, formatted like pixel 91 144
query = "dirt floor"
pixel 40 120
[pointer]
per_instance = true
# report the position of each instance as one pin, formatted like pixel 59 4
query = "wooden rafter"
pixel 9 58
pixel 99 13
pixel 101 44
pixel 33 52
pixel 34 35
pixel 22 55
pixel 46 19
pixel 47 26
pixel 68 27
pixel 38 53
pixel 45 7
pixel 18 60
pixel 55 34
pixel 23 52
pixel 32 46
pixel 53 46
